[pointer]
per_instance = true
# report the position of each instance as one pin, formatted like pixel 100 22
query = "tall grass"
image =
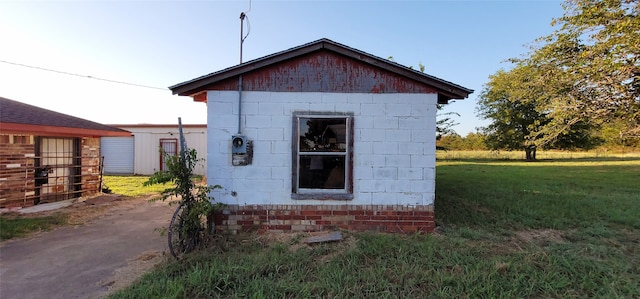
pixel 506 229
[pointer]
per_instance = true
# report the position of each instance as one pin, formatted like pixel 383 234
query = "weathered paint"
pixel 323 71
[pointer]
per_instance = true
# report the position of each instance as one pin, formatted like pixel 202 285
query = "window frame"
pixel 322 194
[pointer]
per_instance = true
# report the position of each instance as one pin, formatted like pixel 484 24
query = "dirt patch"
pixel 541 237
pixel 135 268
pixel 296 241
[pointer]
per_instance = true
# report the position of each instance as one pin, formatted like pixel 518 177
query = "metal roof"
pixel 446 90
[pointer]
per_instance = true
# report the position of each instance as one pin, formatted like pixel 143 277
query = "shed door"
pixel 118 154
pixel 169 147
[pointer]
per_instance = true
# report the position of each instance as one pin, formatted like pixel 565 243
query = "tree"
pixel 511 104
pixel 583 77
pixel 516 103
pixel 591 67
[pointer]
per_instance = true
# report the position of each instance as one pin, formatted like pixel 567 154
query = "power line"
pixel 82 76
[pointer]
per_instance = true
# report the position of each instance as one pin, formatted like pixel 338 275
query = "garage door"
pixel 118 154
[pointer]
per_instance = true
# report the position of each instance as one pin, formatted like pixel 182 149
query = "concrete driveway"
pixel 83 261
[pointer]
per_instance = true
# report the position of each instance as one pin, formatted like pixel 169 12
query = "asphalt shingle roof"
pixel 20 113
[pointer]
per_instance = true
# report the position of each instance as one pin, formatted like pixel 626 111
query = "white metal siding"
pixel 147 146
pixel 118 154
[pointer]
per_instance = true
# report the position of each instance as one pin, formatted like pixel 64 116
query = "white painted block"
pixel 420 161
pixel 385 173
pixel 385 148
pixel 348 108
pixel 29 155
pixel 373 109
pixel 363 123
pixel 400 135
pixel 17 165
pixel 369 160
pixel 30 193
pixel 322 107
pixel 362 148
pixel 270 134
pixel 372 134
pixel 259 121
pixel 271 108
pixel 360 98
pixel 361 198
pixel 399 109
pixel 422 136
pixel 413 123
pixel 410 198
pixel 281 173
pixel 334 98
pixel 384 122
pixel 384 198
pixel 397 161
pixel 363 172
pixel 410 173
pixel 220 107
pixel 397 186
pixel 270 160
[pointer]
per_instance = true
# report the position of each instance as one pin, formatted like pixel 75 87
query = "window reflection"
pixel 322 172
pixel 323 135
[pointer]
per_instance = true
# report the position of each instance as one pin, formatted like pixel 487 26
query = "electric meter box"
pixel 239 144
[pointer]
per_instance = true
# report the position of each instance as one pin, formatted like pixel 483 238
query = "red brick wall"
pixel 306 218
pixel 90 169
pixel 16 168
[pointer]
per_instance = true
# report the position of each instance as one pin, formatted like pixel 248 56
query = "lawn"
pixel 565 228
pixel 131 185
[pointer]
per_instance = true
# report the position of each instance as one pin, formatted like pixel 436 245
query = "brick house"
pixel 46 156
pixel 322 136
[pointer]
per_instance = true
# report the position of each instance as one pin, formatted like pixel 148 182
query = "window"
pixel 169 147
pixel 322 156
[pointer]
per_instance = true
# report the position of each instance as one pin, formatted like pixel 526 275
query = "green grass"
pixel 507 229
pixel 12 226
pixel 131 185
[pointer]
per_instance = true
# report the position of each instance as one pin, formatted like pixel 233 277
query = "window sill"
pixel 321 196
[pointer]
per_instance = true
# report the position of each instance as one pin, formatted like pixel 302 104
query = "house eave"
pixel 446 89
pixel 39 130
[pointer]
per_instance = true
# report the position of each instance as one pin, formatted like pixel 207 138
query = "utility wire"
pixel 82 76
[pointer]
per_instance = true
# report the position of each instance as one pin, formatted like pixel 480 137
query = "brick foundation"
pixel 308 218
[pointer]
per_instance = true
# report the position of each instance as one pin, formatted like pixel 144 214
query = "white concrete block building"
pixel 322 136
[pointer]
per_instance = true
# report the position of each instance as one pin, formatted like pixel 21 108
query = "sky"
pixel 112 61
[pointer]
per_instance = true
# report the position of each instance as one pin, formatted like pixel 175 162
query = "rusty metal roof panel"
pixel 323 66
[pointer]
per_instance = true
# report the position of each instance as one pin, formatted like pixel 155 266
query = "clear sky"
pixel 163 43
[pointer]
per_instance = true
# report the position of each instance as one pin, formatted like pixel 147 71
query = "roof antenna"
pixel 243 16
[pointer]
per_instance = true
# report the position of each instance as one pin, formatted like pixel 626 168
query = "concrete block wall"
pixel 394 148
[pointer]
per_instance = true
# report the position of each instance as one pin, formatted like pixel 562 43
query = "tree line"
pixel 577 88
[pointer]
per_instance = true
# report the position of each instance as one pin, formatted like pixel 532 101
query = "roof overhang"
pixel 196 87
pixel 38 130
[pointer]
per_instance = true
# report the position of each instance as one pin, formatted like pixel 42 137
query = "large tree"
pixel 583 76
pixel 591 66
